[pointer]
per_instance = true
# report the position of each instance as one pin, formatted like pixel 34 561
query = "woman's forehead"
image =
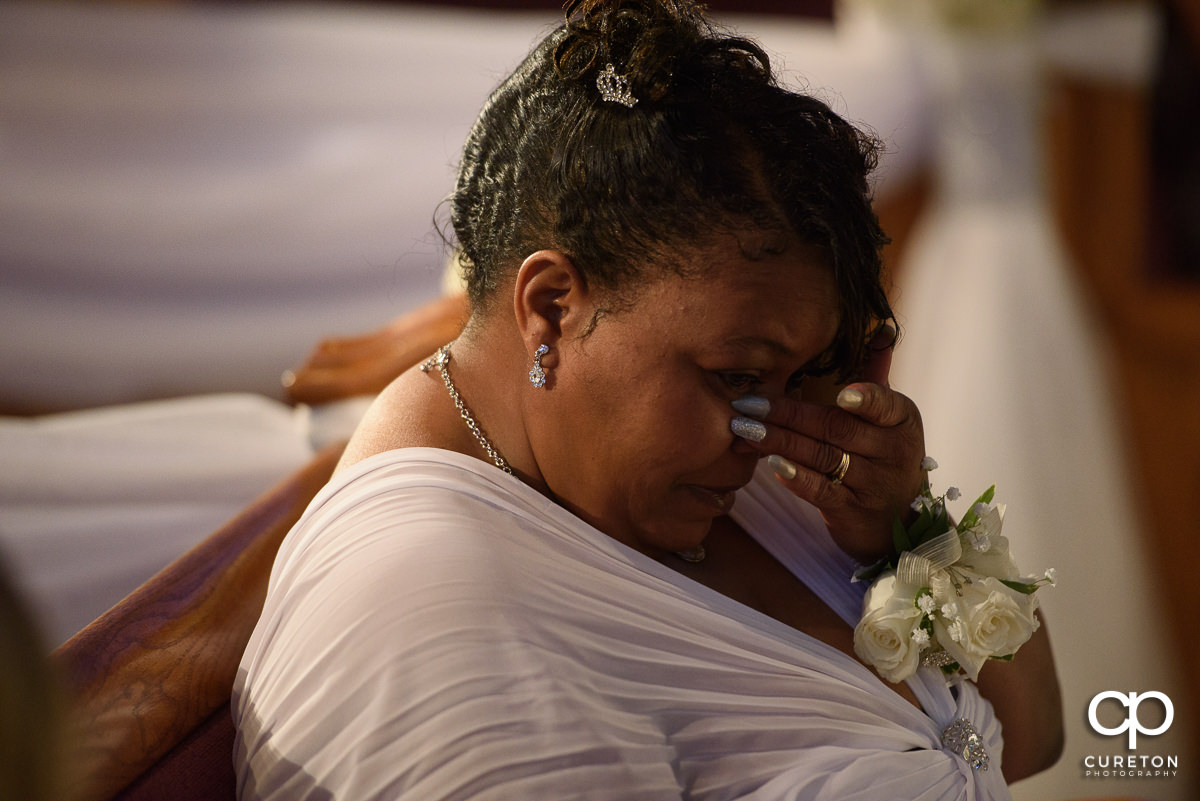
pixel 789 299
pixel 756 269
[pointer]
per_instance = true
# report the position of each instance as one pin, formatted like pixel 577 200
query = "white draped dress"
pixel 435 629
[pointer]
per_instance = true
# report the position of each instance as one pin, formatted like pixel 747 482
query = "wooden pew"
pixel 150 679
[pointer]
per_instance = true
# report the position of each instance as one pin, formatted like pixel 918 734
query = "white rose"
pixel 883 637
pixel 993 620
pixel 951 634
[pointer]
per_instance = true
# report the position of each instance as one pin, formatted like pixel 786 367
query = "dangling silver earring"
pixel 537 376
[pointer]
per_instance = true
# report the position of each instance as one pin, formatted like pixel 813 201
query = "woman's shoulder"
pixel 422 525
pixel 397 610
pixel 403 500
pixel 394 550
pixel 409 413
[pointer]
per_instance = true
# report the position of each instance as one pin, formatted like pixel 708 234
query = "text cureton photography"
pixel 1130 764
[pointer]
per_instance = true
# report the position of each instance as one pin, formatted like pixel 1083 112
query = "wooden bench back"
pixel 151 678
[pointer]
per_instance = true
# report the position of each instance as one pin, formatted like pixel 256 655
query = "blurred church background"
pixel 193 195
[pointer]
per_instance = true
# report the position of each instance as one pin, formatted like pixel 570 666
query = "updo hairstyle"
pixel 713 145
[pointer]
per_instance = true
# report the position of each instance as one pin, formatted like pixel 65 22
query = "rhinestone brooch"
pixel 962 738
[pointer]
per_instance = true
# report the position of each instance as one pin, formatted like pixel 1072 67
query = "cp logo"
pixel 1130 701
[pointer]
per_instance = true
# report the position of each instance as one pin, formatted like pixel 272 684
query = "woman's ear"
pixel 550 298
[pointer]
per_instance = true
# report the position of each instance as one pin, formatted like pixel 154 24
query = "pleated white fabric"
pixel 435 629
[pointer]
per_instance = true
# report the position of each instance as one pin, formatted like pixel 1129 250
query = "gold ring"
pixel 837 475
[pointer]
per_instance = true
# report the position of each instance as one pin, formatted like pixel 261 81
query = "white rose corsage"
pixel 952 599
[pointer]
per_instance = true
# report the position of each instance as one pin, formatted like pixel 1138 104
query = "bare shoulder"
pixel 412 411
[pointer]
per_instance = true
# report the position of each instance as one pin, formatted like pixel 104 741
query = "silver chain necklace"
pixel 441 360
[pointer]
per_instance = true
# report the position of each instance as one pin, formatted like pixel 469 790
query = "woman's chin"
pixel 693 520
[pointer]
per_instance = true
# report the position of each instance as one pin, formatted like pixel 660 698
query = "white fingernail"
pixel 781 466
pixel 753 406
pixel 749 429
pixel 850 398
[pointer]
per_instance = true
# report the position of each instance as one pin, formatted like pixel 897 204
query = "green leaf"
pixel 941 524
pixel 1005 658
pixel 1020 586
pixel 970 518
pixel 871 572
pixel 929 526
pixel 919 527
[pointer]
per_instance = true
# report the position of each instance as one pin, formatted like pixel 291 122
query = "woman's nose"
pixel 743 448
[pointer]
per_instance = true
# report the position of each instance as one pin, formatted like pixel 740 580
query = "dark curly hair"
pixel 713 144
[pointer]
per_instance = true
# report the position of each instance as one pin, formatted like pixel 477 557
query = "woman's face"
pixel 640 444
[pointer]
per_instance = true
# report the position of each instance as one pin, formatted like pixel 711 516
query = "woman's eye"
pixel 795 384
pixel 740 382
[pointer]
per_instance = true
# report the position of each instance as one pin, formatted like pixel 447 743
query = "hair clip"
pixel 614 87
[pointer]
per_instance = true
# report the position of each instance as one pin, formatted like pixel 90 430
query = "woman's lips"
pixel 720 499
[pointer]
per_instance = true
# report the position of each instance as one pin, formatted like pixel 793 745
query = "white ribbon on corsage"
pixel 918 565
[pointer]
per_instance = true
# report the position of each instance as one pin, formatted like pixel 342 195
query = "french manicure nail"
pixel 781 466
pixel 850 398
pixel 749 429
pixel 753 405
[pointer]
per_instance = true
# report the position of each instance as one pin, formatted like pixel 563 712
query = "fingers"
pixel 877 404
pixel 858 462
pixel 813 467
pixel 343 351
pixel 345 367
pixel 797 451
pixel 857 519
pixel 813 486
pixel 880 434
pixel 858 423
pixel 314 386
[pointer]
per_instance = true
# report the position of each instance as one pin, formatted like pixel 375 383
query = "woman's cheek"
pixel 713 437
pixel 691 435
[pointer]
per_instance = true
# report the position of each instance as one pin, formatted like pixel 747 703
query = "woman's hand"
pixel 879 430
